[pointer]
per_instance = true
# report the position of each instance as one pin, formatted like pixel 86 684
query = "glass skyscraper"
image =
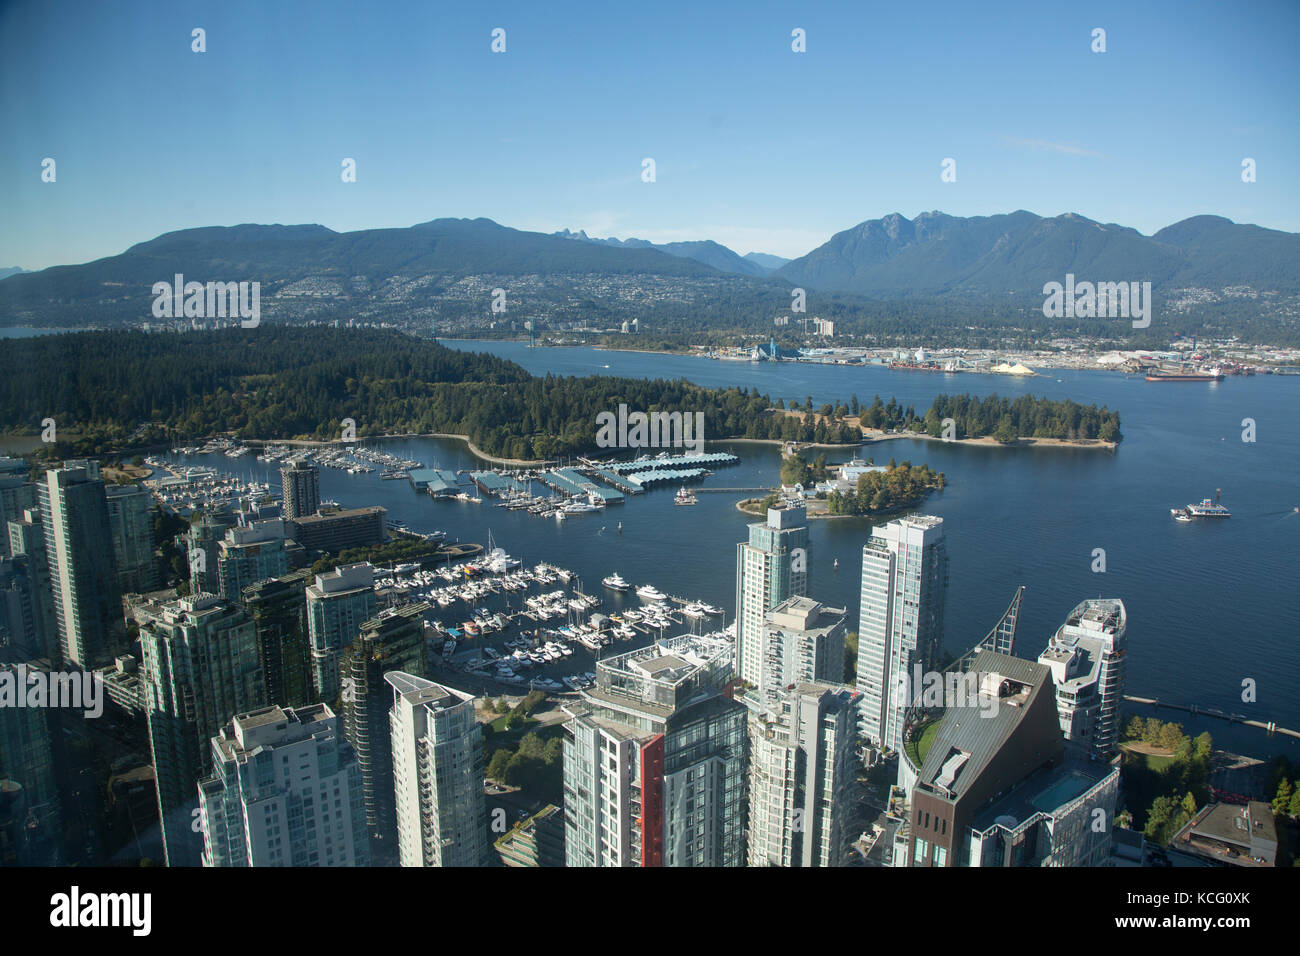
pixel 771 566
pixel 900 624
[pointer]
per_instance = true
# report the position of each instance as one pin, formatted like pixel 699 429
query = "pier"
pixel 1269 726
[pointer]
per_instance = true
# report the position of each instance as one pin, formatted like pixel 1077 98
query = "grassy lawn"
pixel 918 746
pixel 499 726
pixel 1155 762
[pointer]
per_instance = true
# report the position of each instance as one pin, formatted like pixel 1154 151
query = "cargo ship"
pixel 1201 375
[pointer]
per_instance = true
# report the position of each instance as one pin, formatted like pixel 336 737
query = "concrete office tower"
pixel 393 641
pixel 437 774
pixel 803 642
pixel 300 483
pixel 279 610
pixel 202 541
pixel 27 540
pixel 772 566
pixel 248 555
pixel 83 571
pixel 130 519
pixel 338 603
pixel 200 664
pixel 16 495
pixel 802 764
pixel 993 784
pixel 904 587
pixel 1086 658
pixel 27 760
pixel 654 760
pixel 285 791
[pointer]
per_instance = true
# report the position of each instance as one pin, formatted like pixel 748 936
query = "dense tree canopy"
pixel 119 389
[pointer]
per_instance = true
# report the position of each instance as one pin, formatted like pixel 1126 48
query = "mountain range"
pixel 707 251
pixel 936 254
pixel 446 269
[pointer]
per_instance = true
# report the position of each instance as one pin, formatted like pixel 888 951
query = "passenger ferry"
pixel 1206 509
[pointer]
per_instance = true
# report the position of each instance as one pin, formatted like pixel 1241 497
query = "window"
pixel 919 851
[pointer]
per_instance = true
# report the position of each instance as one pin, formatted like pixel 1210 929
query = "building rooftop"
pixel 344 578
pixel 421 692
pixel 804 614
pixel 1046 790
pixel 274 725
pixel 668 674
pixel 1231 834
pixel 971 734
pixel 333 516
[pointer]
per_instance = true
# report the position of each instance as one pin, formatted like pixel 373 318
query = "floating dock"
pixel 648 479
pixel 672 462
pixel 619 482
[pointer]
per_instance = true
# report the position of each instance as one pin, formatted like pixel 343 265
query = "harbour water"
pixel 1210 604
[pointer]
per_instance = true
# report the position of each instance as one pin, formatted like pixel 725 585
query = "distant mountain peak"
pixel 1009 253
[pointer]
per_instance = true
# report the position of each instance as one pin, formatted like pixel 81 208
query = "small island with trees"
pixel 893 487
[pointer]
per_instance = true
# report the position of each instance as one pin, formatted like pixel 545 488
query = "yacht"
pixel 615 582
pixel 685 497
pixel 649 592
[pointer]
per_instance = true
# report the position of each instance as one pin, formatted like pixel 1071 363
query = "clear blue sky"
pixel 756 146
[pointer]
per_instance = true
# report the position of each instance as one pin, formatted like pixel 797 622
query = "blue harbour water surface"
pixel 1210 603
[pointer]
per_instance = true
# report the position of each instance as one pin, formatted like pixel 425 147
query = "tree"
pixel 1135 728
pixel 1204 746
pixel 496 768
pixel 1282 801
pixel 1171 735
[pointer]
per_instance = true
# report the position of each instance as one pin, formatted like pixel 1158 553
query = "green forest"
pixel 109 391
pixel 1007 420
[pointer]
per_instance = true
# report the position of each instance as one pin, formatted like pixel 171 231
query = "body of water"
pixel 1210 604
